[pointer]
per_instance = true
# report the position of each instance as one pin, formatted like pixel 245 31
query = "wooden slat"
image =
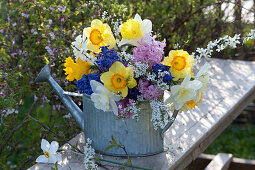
pixel 220 162
pixel 236 164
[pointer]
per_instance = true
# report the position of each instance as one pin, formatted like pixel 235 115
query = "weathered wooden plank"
pixel 220 162
pixel 218 123
pixel 236 164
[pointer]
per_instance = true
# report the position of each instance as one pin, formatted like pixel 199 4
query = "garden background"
pixel 36 32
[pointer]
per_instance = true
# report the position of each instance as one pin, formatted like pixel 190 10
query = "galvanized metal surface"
pixel 138 137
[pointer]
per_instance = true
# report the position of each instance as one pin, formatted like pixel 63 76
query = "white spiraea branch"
pixel 221 44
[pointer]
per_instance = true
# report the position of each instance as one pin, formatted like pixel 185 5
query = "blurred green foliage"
pixel 36 32
pixel 236 139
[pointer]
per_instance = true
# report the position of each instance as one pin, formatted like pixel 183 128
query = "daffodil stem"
pixel 60 137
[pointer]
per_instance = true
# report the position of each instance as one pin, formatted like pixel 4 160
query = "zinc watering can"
pixel 139 137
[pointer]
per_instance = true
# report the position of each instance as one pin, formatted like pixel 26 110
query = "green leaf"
pixel 128 161
pixel 113 141
pixel 56 165
pixel 109 147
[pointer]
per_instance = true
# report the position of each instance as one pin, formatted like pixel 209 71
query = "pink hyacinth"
pixel 149 51
pixel 152 92
pixel 123 110
pixel 149 91
pixel 143 85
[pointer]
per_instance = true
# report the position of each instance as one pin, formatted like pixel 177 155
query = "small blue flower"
pixel 106 58
pixel 161 68
pixel 83 85
pixel 158 67
pixel 168 77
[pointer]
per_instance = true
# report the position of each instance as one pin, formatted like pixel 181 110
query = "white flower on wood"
pixel 49 150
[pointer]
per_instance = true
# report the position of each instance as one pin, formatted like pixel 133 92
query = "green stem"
pixel 132 166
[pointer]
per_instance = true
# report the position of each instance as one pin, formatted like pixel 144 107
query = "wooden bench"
pixel 231 89
pixel 225 161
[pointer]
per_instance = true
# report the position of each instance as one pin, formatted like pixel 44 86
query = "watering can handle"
pixel 170 122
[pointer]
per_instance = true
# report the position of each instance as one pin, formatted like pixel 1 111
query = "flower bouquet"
pixel 129 87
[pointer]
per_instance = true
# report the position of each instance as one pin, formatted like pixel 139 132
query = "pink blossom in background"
pixel 150 51
pixel 50 21
pixel 52 35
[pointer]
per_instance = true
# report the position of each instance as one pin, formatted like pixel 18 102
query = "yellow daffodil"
pixel 98 34
pixel 76 70
pixel 134 29
pixel 118 79
pixel 180 63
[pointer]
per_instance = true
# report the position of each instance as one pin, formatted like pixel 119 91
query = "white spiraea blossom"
pixel 159 113
pixel 140 69
pixel 184 92
pixel 146 28
pixel 49 150
pixel 104 99
pixel 89 156
pixel 249 36
pixel 220 44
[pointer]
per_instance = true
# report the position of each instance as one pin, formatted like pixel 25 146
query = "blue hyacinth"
pixel 167 78
pixel 83 85
pixel 106 58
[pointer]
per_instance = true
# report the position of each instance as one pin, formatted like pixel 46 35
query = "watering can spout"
pixel 44 76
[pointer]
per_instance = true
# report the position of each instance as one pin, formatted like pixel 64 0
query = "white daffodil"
pixel 80 49
pixel 49 150
pixel 184 92
pixel 103 98
pixel 133 30
pixel 203 77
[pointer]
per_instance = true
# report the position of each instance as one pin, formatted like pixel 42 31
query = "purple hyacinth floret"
pixel 83 85
pixel 149 90
pixel 107 57
pixel 149 51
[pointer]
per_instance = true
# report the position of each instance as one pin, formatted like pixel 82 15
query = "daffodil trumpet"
pixel 118 79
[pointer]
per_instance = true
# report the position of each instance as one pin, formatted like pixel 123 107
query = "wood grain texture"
pixel 230 90
pixel 220 162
